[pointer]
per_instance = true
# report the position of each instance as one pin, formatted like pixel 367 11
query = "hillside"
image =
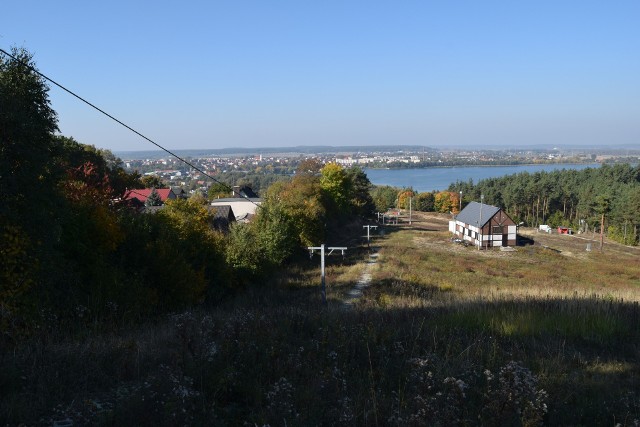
pixel 443 335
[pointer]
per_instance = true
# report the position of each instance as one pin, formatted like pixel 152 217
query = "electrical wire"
pixel 125 125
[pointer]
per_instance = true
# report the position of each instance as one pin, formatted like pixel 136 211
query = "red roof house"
pixel 139 197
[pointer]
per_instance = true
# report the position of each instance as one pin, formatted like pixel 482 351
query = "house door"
pixel 505 240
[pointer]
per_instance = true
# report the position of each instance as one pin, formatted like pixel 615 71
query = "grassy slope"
pixel 569 315
pixel 432 342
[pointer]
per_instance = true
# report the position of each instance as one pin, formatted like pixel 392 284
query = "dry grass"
pixel 429 258
pixel 445 335
pixel 573 316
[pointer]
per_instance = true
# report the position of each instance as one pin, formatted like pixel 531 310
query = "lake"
pixel 439 179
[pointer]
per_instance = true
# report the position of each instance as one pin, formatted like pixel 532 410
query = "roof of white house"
pixel 471 214
pixel 240 205
pixel 228 200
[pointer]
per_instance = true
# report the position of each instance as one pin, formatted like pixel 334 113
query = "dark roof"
pixel 221 211
pixel 247 192
pixel 471 214
pixel 179 192
pixel 222 217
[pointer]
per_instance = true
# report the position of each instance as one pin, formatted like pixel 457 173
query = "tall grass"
pixel 444 335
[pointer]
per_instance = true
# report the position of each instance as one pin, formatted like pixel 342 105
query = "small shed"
pixel 564 230
pixel 544 227
pixel 484 225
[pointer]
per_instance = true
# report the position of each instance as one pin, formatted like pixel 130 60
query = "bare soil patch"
pixel 575 245
pixel 425 221
pixel 437 225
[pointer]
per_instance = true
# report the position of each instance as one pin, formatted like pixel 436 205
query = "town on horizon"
pixel 538 151
pixel 255 165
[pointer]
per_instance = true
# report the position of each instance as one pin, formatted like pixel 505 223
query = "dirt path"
pixel 365 280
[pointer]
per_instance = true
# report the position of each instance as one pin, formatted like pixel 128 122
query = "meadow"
pixel 443 335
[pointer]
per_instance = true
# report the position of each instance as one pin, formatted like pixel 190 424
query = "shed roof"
pixel 472 214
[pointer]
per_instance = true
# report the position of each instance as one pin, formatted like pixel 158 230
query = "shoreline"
pixel 442 177
pixel 595 164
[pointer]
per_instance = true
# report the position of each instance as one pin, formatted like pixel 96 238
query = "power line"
pixel 125 125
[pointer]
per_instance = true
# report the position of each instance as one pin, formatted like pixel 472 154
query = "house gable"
pixel 223 216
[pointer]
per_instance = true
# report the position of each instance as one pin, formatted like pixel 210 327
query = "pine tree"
pixel 153 199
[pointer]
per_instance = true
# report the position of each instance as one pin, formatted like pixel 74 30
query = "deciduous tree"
pixel 152 181
pixel 384 197
pixel 403 198
pixel 336 184
pixel 424 202
pixel 27 174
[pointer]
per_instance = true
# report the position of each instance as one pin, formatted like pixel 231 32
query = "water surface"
pixel 429 179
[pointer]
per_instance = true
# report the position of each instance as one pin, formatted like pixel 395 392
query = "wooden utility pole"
pixel 410 201
pixel 602 232
pixel 323 288
pixel 480 224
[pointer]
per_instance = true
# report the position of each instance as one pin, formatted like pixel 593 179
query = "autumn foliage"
pixel 68 244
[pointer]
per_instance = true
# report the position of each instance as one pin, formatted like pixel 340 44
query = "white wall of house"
pixel 471 233
pixel 240 207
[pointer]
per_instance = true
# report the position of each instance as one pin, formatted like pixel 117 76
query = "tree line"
pixel 584 199
pixel 386 197
pixel 581 199
pixel 73 252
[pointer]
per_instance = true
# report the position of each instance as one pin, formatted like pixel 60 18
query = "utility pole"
pixel 410 201
pixel 368 227
pixel 480 225
pixel 602 232
pixel 323 288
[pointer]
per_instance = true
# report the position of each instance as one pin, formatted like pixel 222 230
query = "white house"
pixel 484 224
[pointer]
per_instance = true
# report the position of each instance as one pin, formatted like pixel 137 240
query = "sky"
pixel 244 73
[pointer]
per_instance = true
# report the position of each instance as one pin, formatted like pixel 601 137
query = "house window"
pixel 498 229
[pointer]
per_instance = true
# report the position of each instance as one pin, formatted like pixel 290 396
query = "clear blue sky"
pixel 241 73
